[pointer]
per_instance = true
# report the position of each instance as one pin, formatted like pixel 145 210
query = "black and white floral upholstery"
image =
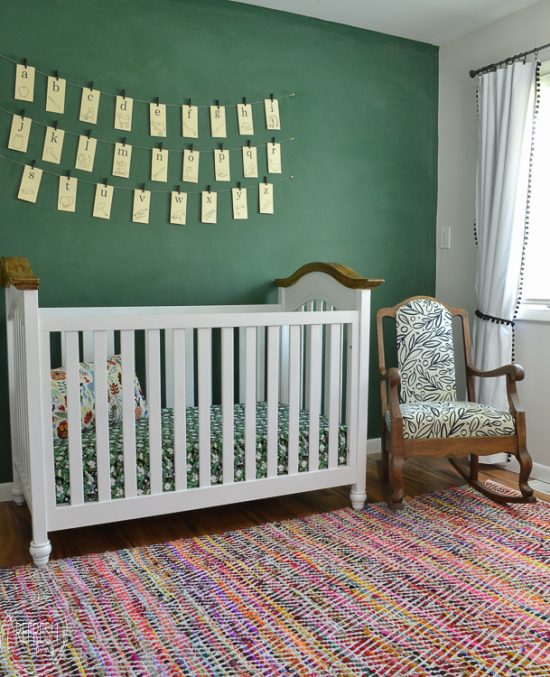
pixel 425 352
pixel 428 398
pixel 453 419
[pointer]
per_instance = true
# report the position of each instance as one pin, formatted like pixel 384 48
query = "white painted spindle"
pixel 228 384
pixel 128 412
pixel 334 383
pixel 152 364
pixel 47 430
pixel 74 418
pixel 295 373
pixel 179 398
pixel 314 394
pixel 273 351
pixel 250 404
pixel 205 402
pixel 101 416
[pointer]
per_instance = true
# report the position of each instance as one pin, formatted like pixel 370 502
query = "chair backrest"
pixel 425 348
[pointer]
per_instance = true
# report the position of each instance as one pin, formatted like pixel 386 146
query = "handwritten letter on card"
pixel 274 158
pixel 266 198
pixel 250 162
pixel 221 165
pixel 66 196
pixel 178 207
pixel 190 122
pixel 55 95
pixel 142 202
pixel 240 204
pixel 218 127
pixel 244 117
pixel 24 83
pixel 122 159
pixel 30 183
pixel 272 118
pixel 103 201
pixel 209 206
pixel 89 105
pixel 124 107
pixel 19 133
pixel 159 164
pixel 85 153
pixel 157 119
pixel 53 145
pixel 191 166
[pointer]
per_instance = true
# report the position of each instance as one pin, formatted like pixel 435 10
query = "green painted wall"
pixel 364 118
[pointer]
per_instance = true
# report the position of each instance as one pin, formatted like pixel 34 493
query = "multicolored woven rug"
pixel 452 585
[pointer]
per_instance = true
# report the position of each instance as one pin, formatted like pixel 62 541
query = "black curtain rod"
pixel 509 60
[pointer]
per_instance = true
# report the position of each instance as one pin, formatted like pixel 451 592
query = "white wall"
pixel 455 277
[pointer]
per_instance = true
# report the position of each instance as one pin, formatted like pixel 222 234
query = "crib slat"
pixel 205 401
pixel 128 412
pixel 283 378
pixel 273 348
pixel 326 383
pixel 88 344
pixel 152 360
pixel 169 367
pixel 351 394
pixel 47 420
pixel 190 368
pixel 295 372
pixel 314 395
pixel 101 416
pixel 228 405
pixel 179 400
pixel 260 364
pixel 334 391
pixel 74 420
pixel 250 405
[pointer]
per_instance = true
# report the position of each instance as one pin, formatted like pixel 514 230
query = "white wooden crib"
pixel 306 356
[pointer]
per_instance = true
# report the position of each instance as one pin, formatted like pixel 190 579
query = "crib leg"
pixel 16 491
pixel 40 553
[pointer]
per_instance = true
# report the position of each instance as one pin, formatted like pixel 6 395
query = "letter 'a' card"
pixel 24 83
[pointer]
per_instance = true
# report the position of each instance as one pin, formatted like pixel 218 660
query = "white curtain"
pixel 506 108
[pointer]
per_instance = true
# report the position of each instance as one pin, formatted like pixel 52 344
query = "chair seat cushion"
pixel 453 419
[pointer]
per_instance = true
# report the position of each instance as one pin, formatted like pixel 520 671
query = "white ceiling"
pixel 433 21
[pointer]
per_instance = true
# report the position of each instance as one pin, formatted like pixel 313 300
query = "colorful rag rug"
pixel 452 585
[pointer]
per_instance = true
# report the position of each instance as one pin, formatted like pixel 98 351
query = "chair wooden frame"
pixel 396 449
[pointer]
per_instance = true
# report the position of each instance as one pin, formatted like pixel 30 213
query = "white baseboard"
pixel 5 492
pixel 539 472
pixel 375 444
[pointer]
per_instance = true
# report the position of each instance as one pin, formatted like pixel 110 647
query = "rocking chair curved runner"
pixel 421 415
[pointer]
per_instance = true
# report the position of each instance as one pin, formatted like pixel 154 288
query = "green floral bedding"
pixel 61 451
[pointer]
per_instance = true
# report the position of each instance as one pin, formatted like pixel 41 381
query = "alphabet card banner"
pixel 63 143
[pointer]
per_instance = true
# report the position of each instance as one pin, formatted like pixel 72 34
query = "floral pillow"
pixel 87 396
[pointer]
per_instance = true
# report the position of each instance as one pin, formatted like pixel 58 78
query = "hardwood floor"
pixel 421 476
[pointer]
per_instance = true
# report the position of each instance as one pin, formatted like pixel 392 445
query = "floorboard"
pixel 421 476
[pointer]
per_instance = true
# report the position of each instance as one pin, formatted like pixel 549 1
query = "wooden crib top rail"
pixel 342 274
pixel 16 271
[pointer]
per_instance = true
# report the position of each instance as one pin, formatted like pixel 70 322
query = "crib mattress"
pixel 61 451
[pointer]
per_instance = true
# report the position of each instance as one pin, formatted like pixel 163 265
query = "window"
pixel 536 288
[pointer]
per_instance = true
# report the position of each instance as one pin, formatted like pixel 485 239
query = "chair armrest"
pixel 393 381
pixel 513 372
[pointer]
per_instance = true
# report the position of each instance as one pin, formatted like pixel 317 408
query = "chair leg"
pixel 525 466
pixel 493 495
pixel 396 480
pixel 474 467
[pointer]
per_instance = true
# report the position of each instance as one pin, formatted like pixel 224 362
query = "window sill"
pixel 534 312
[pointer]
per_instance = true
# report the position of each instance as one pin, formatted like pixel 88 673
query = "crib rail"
pixel 225 353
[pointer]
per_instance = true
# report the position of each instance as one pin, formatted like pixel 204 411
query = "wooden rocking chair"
pixel 421 415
